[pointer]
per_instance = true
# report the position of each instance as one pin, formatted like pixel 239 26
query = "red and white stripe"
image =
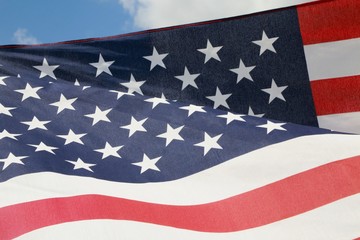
pixel 331 34
pixel 274 185
pixel 339 221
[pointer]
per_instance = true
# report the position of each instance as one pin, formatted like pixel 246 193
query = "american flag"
pixel 145 135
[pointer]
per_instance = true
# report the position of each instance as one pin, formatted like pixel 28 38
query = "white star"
pixel 232 117
pixel 266 43
pixel 80 164
pixel 6 134
pixel 12 159
pixel 147 164
pixel 72 137
pixel 156 59
pixel 108 150
pixel 243 72
pixel 275 91
pixel 99 115
pixel 133 85
pixel 36 123
pixel 156 101
pixel 193 108
pixel 77 83
pixel 102 66
pixel 210 51
pixel 64 103
pixel 5 110
pixel 188 79
pixel 2 80
pixel 46 69
pixel 271 126
pixel 219 99
pixel 251 113
pixel 209 143
pixel 29 92
pixel 43 147
pixel 171 134
pixel 135 126
pixel 120 94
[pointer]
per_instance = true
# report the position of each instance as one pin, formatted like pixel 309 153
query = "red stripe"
pixel 338 95
pixel 329 21
pixel 280 200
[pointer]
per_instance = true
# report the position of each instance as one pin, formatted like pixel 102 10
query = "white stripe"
pixel 231 178
pixel 338 220
pixel 343 122
pixel 333 59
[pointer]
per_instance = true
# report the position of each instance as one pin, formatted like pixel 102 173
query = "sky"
pixel 46 21
pixel 42 21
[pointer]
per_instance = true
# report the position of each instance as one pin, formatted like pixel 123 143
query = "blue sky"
pixel 45 21
pixel 51 21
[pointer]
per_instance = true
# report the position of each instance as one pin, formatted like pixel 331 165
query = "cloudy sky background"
pixel 44 21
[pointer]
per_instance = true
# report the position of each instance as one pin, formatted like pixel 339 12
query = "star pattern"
pixel 64 103
pixel 156 101
pixel 43 147
pixel 133 85
pixel 77 83
pixel 266 44
pixel 219 99
pixel 230 117
pixel 36 123
pixel 188 79
pixel 148 164
pixel 29 92
pixel 6 110
pixel 135 126
pixel 210 52
pixel 47 70
pixel 12 159
pixel 120 94
pixel 271 126
pixel 108 151
pixel 2 78
pixel 80 164
pixel 156 59
pixel 251 113
pixel 102 66
pixel 72 137
pixel 99 115
pixel 275 91
pixel 171 134
pixel 193 108
pixel 209 143
pixel 243 72
pixel 5 134
pixel 91 132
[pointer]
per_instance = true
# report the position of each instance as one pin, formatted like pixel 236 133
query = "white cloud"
pixel 21 36
pixel 129 5
pixel 161 13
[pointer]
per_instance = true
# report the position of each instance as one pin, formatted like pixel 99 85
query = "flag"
pixel 71 154
pixel 145 134
pixel 256 64
pixel 331 36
